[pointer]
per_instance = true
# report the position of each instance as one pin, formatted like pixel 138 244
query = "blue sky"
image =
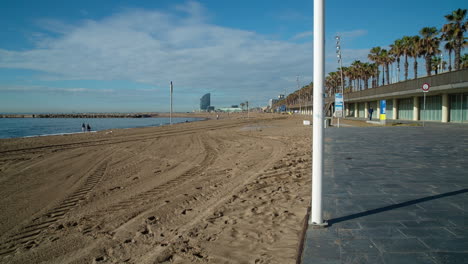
pixel 119 56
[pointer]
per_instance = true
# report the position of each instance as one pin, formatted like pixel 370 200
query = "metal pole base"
pixel 318 226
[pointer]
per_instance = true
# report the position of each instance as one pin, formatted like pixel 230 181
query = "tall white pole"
pixel 317 136
pixel 170 114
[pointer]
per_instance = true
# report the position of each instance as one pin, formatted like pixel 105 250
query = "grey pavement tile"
pixel 459 220
pixel 447 244
pixel 412 204
pixel 322 233
pixel 450 257
pixel 440 205
pixel 460 232
pixel 360 258
pixel 317 260
pixel 424 232
pixel 345 225
pixel 370 224
pixel 400 245
pixel 390 216
pixel 426 223
pixel 380 232
pixel 359 245
pixel 455 216
pixel 408 258
pixel 322 249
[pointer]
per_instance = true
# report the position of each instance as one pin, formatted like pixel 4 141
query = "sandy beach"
pixel 233 190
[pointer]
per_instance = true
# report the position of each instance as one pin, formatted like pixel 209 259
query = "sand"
pixel 233 190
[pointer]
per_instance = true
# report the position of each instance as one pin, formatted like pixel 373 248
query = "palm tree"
pixel 387 60
pixel 406 52
pixel 415 52
pixel 397 50
pixel 456 29
pixel 464 61
pixel 332 81
pixel 435 63
pixel 449 46
pixel 374 71
pixel 376 56
pixel 367 74
pixel 429 46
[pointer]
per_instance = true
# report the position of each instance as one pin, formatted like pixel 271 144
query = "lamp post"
pixel 340 61
pixel 338 55
pixel 317 137
pixel 170 114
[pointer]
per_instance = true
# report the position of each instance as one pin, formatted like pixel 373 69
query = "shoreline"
pixel 110 128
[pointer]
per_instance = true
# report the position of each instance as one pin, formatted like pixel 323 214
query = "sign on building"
pixel 339 105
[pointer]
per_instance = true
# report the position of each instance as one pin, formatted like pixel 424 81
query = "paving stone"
pixel 450 257
pixel 408 258
pixel 447 244
pixel 459 232
pixel 426 223
pixel 370 224
pixel 322 249
pixel 404 190
pixel 424 232
pixel 359 245
pixel 400 245
pixel 380 232
pixel 360 258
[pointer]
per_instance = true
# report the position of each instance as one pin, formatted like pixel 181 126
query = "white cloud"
pixel 45 89
pixel 159 46
pixel 306 34
pixel 156 47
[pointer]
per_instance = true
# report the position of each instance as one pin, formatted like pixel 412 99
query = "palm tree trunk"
pixel 428 64
pixel 450 60
pixel 406 67
pixel 398 69
pixel 383 74
pixel 415 65
pixel 457 56
pixel 387 72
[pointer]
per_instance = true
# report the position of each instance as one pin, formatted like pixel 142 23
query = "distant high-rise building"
pixel 205 102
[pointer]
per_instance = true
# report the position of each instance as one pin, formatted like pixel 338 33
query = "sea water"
pixel 28 127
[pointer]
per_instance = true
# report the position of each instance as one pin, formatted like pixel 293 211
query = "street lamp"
pixel 338 55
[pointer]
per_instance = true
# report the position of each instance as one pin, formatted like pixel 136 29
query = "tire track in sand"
pixel 158 191
pixel 27 237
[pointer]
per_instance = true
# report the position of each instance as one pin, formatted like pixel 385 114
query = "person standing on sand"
pixel 83 127
pixel 88 127
pixel 371 110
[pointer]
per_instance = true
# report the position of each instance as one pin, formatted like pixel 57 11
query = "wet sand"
pixel 233 190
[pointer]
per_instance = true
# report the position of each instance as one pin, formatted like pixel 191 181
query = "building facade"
pixel 205 102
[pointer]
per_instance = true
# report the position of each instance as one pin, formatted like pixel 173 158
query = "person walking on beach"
pixel 88 127
pixel 371 110
pixel 83 127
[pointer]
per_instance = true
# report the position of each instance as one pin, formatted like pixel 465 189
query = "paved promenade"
pixel 393 195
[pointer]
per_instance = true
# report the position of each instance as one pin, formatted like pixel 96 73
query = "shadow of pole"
pixel 394 206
